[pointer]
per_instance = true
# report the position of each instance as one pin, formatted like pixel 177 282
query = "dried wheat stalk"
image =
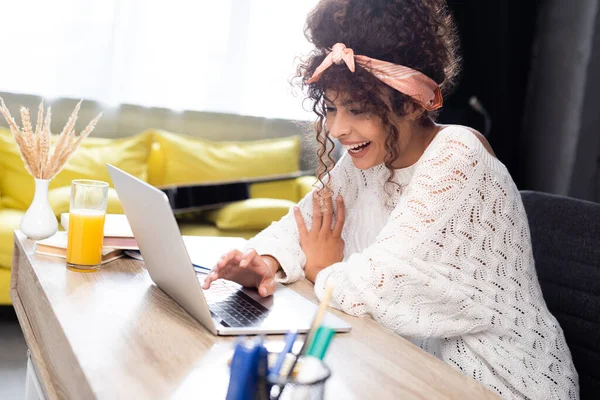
pixel 42 161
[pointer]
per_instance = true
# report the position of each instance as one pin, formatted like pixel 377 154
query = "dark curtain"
pixel 534 65
pixel 496 41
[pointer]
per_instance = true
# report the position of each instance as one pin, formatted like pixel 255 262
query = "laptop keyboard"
pixel 235 308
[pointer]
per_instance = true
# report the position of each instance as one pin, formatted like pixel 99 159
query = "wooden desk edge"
pixel 25 315
pixel 32 344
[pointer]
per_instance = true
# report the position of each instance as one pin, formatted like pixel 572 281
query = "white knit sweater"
pixel 446 262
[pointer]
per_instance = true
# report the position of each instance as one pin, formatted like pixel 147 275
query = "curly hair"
pixel 415 33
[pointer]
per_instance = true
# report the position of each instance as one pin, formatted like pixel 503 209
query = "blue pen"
pixel 290 338
pixel 201 269
pixel 136 254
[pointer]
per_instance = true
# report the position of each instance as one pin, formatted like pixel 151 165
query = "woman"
pixel 418 225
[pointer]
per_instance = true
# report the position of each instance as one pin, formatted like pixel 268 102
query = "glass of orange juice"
pixel 86 225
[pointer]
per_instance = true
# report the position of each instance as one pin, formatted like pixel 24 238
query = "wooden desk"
pixel 113 334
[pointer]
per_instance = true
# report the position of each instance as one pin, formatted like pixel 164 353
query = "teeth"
pixel 357 145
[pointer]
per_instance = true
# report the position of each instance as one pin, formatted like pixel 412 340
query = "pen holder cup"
pixel 307 384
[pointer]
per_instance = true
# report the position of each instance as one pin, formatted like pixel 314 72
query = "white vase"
pixel 39 221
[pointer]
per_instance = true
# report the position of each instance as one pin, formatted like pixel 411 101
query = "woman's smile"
pixel 358 150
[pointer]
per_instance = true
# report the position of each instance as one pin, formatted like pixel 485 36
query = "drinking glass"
pixel 86 225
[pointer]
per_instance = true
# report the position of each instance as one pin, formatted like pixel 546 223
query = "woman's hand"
pixel 248 269
pixel 322 245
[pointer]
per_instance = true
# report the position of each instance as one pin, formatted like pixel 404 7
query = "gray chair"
pixel 565 235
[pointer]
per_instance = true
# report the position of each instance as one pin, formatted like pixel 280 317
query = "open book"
pixel 56 246
pixel 117 232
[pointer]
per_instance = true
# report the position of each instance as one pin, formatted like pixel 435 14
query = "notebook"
pixel 56 246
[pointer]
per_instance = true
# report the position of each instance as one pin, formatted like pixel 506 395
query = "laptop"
pixel 224 309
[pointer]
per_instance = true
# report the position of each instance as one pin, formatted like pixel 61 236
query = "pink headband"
pixel 404 79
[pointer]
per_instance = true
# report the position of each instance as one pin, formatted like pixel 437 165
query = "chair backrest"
pixel 565 235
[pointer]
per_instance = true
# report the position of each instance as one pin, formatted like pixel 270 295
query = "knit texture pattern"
pixel 444 259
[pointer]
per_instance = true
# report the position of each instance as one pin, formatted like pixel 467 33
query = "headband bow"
pixel 406 80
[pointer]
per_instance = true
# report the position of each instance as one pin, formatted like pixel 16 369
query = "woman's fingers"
pixel 224 271
pixel 247 258
pixel 227 257
pixel 213 276
pixel 222 266
pixel 300 222
pixel 340 217
pixel 267 286
pixel 317 216
pixel 327 210
pixel 248 269
pixel 265 282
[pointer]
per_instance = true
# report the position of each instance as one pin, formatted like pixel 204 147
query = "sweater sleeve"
pixel 395 284
pixel 281 239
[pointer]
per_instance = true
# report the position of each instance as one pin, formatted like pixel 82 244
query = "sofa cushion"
pixel 9 221
pixel 251 214
pixel 1 177
pixel 187 160
pixel 5 286
pixel 17 186
pixel 304 185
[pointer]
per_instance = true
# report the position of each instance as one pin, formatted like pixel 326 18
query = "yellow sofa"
pixel 162 159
